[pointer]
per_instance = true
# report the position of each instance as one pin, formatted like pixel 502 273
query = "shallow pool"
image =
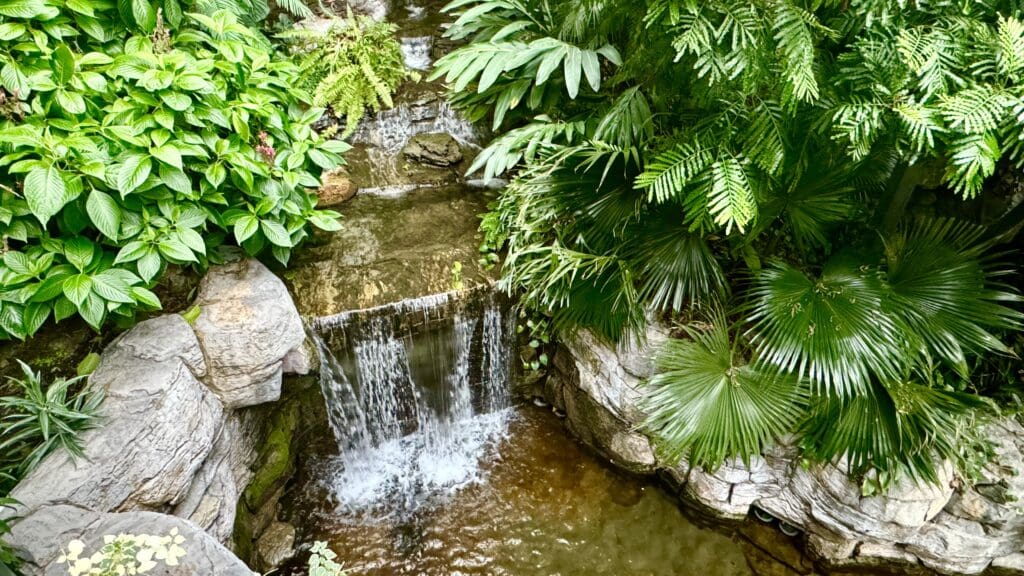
pixel 542 505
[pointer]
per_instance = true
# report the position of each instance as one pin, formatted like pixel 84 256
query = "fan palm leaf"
pixel 675 266
pixel 943 287
pixel 904 427
pixel 828 329
pixel 707 405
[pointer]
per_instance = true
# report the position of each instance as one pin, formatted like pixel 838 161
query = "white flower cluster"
pixel 124 554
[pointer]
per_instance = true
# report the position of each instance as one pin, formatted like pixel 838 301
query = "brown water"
pixel 545 507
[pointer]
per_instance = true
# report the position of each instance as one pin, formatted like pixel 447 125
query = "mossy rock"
pixel 276 459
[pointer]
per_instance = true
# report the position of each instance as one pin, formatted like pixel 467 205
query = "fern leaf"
pixel 731 200
pixel 672 171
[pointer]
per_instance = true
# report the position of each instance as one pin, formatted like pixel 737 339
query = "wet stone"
pixel 436 149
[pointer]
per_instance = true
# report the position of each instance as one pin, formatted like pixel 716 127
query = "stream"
pixel 423 462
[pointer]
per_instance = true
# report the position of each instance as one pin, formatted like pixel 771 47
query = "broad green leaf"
pixel 93 310
pixel 145 297
pixel 105 213
pixel 175 179
pixel 19 263
pixel 24 9
pixel 77 288
pixel 79 251
pixel 149 264
pixel 132 173
pixel 276 233
pixel 71 102
pixel 325 223
pixel 245 227
pixel 14 80
pixel 176 100
pixel 45 192
pixel 167 153
pixel 174 249
pixel 63 64
pixel 111 288
pixel 131 252
pixel 192 239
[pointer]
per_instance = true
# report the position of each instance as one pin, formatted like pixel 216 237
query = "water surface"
pixel 543 506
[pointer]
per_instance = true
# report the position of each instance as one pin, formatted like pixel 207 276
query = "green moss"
pixel 277 459
pixel 276 465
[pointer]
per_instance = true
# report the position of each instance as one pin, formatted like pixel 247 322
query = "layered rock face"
pixel 910 529
pixel 175 449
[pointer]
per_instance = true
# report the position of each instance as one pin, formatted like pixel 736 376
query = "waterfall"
pixel 390 129
pixel 416 393
pixel 416 51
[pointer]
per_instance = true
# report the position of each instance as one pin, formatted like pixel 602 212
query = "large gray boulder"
pixel 44 535
pixel 247 326
pixel 159 425
pixel 212 497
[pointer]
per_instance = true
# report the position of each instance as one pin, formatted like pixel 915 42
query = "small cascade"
pixel 416 393
pixel 416 51
pixel 391 129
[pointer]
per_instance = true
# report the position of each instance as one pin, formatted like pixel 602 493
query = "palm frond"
pixel 945 289
pixel 903 428
pixel 706 404
pixel 675 266
pixel 828 329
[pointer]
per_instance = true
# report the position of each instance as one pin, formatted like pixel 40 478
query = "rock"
pixel 713 493
pixel 376 9
pixel 911 504
pixel 160 424
pixel 41 537
pixel 435 149
pixel 599 428
pixel 995 500
pixel 392 249
pixel 1012 565
pixel 830 548
pixel 276 546
pixel 954 545
pixel 913 527
pixel 247 325
pixel 336 188
pixel 213 495
pixel 301 360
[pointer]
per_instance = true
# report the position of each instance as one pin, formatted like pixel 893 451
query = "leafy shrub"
pixel 40 420
pixel 757 160
pixel 136 148
pixel 353 67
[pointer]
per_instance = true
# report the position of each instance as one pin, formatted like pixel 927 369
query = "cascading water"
pixel 416 393
pixel 416 51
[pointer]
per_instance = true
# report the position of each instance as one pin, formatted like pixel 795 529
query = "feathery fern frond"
pixel 731 197
pixel 668 175
pixel 792 28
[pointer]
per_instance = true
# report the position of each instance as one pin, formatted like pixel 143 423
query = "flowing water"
pixel 434 471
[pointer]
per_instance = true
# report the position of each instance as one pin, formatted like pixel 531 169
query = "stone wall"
pixel 181 430
pixel 910 529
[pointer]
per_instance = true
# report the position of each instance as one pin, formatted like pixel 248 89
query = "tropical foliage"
pixel 744 170
pixel 139 136
pixel 353 67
